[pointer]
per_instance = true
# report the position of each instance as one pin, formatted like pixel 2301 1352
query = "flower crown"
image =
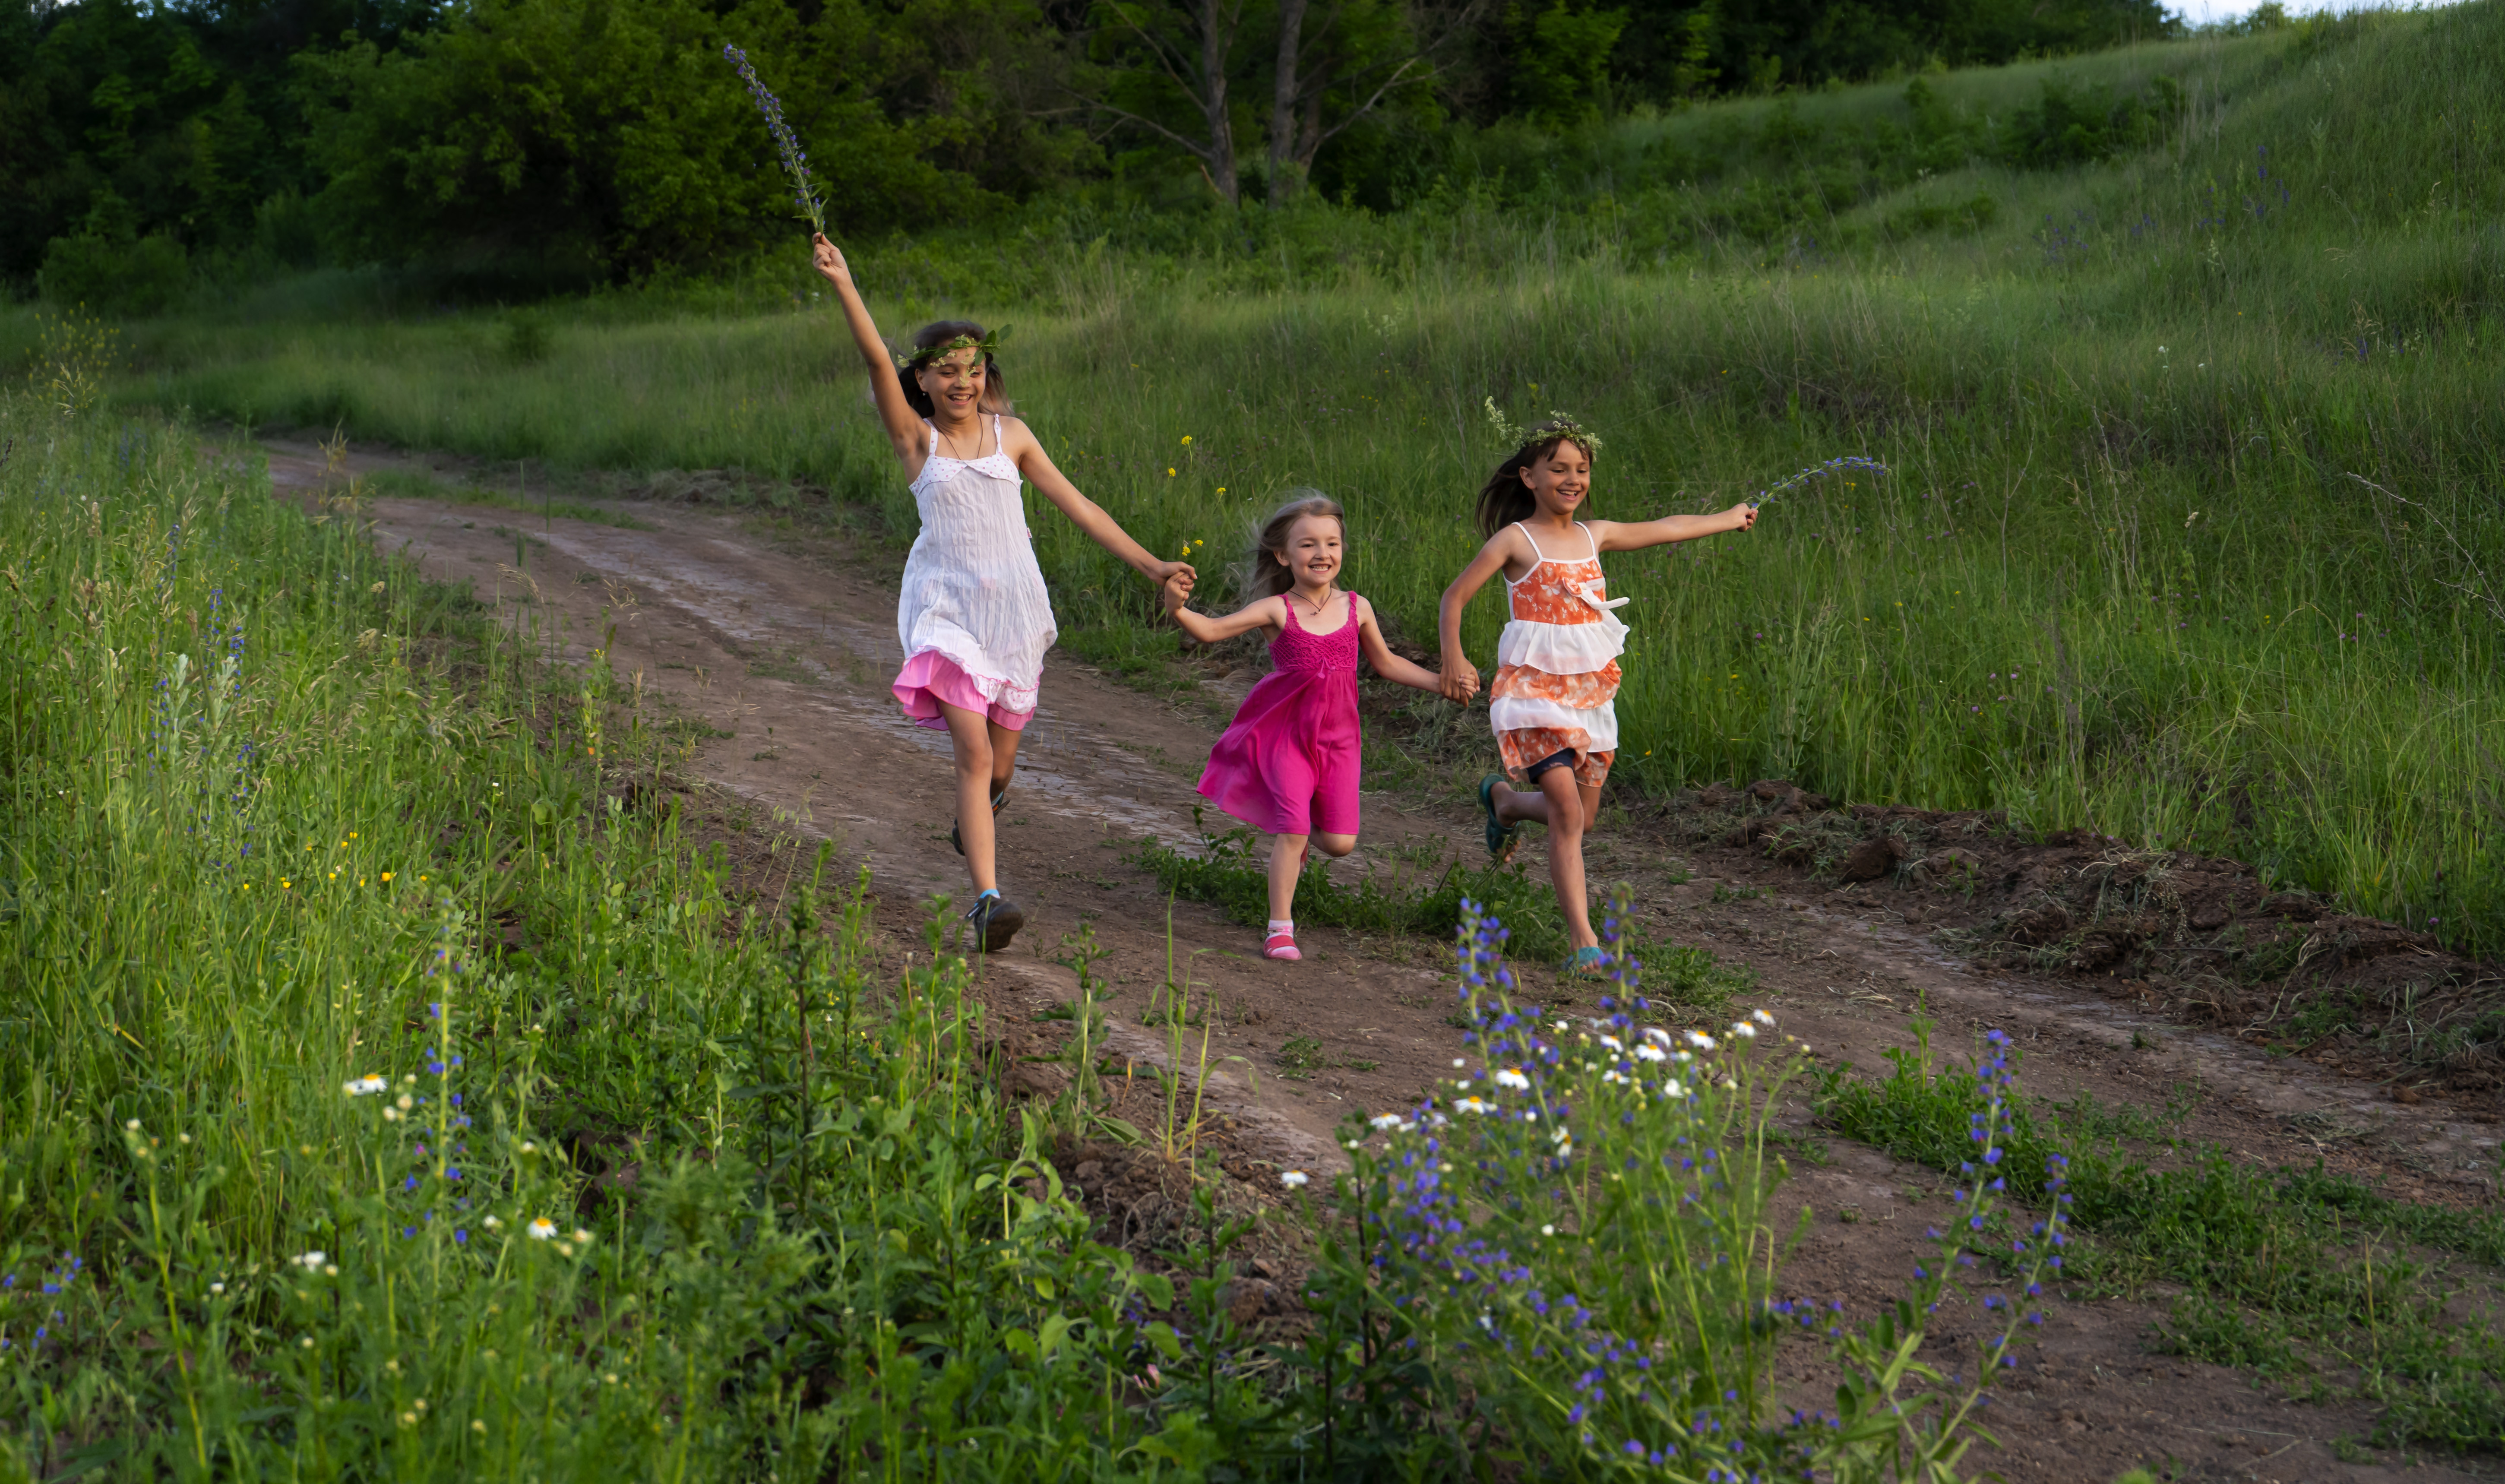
pixel 1561 426
pixel 930 353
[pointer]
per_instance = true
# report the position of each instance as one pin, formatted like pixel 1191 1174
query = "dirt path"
pixel 783 646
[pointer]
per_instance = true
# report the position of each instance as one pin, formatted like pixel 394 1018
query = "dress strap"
pixel 1525 529
pixel 1588 537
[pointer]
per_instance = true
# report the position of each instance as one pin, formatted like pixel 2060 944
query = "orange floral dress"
pixel 1556 670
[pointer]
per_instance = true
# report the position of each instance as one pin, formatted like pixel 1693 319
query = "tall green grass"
pixel 2193 522
pixel 333 979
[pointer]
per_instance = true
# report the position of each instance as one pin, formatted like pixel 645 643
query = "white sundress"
pixel 973 615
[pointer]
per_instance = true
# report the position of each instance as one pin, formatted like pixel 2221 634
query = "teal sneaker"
pixel 1501 837
pixel 1591 962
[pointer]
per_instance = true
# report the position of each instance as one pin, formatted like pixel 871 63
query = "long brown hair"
pixel 1505 498
pixel 927 341
pixel 1263 573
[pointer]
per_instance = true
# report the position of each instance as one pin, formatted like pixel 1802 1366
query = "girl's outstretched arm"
pixel 904 425
pixel 1027 452
pixel 1461 680
pixel 1391 666
pixel 1634 534
pixel 1260 613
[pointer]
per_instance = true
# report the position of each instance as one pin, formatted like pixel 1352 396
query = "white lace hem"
pixel 1561 649
pixel 1513 712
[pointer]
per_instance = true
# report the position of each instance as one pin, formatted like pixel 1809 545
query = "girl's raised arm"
pixel 1391 666
pixel 1260 613
pixel 1027 452
pixel 904 425
pixel 1636 535
pixel 1460 679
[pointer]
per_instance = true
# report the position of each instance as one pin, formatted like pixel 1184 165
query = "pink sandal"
pixel 1282 946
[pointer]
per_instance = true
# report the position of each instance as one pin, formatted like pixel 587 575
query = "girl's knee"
pixel 973 758
pixel 1334 845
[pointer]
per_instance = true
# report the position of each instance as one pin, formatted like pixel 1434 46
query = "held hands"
pixel 1164 573
pixel 1459 680
pixel 1174 589
pixel 829 259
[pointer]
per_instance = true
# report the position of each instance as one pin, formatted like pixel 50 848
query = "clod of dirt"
pixel 1787 797
pixel 1873 858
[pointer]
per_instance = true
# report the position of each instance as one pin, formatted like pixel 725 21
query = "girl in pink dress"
pixel 973 612
pixel 1288 764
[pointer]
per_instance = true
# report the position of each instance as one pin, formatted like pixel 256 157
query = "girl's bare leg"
pixel 986 757
pixel 1287 864
pixel 1567 809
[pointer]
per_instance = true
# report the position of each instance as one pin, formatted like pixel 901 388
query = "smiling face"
pixel 954 383
pixel 1311 553
pixel 1560 479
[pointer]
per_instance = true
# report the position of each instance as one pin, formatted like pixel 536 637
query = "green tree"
pixel 1560 75
pixel 577 138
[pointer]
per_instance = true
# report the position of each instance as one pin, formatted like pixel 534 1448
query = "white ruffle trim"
pixel 1512 713
pixel 1009 692
pixel 1562 649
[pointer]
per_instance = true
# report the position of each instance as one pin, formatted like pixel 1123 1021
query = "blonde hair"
pixel 1264 573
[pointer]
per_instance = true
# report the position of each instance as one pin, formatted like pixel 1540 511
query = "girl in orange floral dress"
pixel 1552 704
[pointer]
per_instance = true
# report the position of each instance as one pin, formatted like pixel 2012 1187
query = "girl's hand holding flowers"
pixel 1742 516
pixel 829 259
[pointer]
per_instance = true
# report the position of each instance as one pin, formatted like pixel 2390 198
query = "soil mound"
pixel 2205 939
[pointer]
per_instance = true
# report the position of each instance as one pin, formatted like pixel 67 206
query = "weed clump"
pixel 2301 1275
pixel 1227 872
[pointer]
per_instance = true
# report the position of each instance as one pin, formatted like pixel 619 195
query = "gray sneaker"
pixel 996 920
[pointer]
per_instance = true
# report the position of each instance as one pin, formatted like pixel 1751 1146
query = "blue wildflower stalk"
pixel 1816 471
pixel 795 164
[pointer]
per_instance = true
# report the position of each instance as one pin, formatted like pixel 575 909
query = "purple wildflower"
pixel 804 191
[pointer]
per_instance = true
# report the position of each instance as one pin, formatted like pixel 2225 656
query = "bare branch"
pixel 1198 150
pixel 1361 111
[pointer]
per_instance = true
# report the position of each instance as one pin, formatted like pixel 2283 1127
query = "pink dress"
pixel 1290 762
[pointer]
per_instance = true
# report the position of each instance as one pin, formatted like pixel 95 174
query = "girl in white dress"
pixel 973 615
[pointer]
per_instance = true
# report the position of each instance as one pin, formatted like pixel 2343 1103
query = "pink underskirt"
pixel 932 677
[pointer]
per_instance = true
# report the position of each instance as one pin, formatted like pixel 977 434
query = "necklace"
pixel 1328 592
pixel 949 440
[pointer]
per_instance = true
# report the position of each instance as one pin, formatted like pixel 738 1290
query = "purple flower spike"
pixel 804 191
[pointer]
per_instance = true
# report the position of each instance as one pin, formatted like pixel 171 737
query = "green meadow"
pixel 387 1090
pixel 2184 361
pixel 391 1094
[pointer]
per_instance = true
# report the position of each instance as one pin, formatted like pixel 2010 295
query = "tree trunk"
pixel 1217 41
pixel 1288 163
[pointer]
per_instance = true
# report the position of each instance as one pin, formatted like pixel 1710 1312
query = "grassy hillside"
pixel 2185 359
